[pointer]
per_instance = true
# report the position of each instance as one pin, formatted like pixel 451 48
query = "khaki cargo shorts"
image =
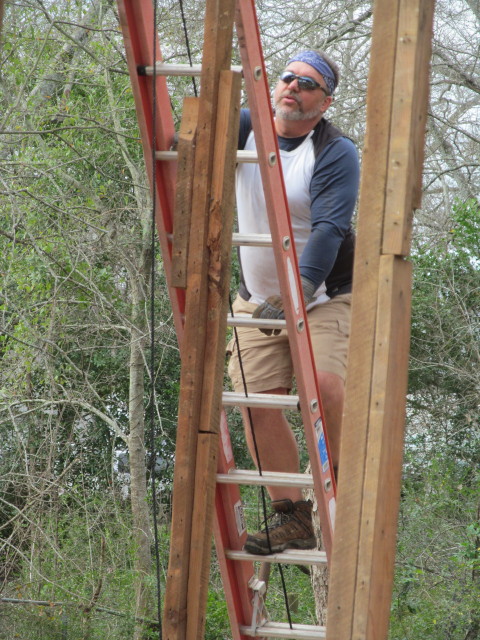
pixel 266 360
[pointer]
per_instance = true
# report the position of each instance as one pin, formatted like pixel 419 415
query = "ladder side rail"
pixel 230 534
pixel 136 19
pixel 287 267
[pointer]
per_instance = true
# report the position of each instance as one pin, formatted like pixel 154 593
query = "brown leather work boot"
pixel 291 528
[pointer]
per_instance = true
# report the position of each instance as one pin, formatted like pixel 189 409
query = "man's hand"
pixel 272 308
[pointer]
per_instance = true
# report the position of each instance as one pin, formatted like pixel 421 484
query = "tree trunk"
pixel 136 447
pixel 319 574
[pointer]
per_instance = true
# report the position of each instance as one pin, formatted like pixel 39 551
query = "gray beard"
pixel 285 114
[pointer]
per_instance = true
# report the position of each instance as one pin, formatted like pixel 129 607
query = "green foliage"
pixel 437 587
pixel 445 328
pixel 437 584
pixel 75 219
pixel 217 625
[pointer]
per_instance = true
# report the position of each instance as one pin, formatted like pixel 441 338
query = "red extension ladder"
pixel 243 589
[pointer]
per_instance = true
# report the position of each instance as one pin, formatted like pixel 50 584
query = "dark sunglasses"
pixel 304 82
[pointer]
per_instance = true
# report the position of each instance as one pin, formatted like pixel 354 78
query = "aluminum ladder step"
pixel 267 478
pixel 242 156
pixel 252 240
pixel 309 557
pixel 283 630
pixel 244 239
pixel 268 400
pixel 165 69
pixel 256 323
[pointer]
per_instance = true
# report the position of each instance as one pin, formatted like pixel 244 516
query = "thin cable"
pixel 259 466
pixel 187 42
pixel 152 327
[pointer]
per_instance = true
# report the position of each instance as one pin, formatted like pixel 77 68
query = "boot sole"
pixel 251 546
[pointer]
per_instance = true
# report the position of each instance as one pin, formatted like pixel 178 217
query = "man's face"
pixel 293 103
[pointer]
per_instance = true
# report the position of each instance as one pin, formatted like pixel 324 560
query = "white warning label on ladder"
pixel 239 517
pixel 293 286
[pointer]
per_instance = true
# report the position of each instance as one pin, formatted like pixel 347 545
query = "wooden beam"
pixel 384 453
pixel 409 114
pixel 364 306
pixel 361 571
pixel 219 244
pixel 217 50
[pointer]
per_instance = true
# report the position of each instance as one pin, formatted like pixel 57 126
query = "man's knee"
pixel 331 385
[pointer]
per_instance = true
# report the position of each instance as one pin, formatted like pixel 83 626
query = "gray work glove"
pixel 272 308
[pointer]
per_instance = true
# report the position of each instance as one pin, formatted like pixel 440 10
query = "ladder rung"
pixel 267 479
pixel 247 156
pixel 243 239
pixel 252 239
pixel 165 69
pixel 268 400
pixel 247 321
pixel 283 630
pixel 292 556
pixel 242 156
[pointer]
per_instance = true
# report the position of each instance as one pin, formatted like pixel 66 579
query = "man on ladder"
pixel 321 173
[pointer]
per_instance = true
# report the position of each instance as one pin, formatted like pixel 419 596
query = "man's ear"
pixel 326 103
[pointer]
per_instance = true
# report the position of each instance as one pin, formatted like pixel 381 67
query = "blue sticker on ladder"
pixel 322 448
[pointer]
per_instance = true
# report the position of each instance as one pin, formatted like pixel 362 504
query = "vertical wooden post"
pixel 219 243
pixel 198 422
pixel 361 571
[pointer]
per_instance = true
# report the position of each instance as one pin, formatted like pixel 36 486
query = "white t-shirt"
pixel 258 263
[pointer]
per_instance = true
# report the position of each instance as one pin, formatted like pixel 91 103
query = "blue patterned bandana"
pixel 316 61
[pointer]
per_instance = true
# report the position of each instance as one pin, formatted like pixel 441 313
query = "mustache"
pixel 290 94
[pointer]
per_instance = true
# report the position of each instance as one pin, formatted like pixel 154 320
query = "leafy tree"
pixel 437 584
pixel 75 259
pixel 74 297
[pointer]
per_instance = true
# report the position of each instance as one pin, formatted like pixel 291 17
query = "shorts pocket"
pixel 343 327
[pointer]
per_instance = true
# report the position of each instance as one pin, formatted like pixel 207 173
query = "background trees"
pixel 75 286
pixel 76 258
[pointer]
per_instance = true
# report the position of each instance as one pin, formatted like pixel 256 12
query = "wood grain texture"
pixel 409 111
pixel 219 243
pixel 219 15
pixel 182 213
pixel 345 554
pixel 361 572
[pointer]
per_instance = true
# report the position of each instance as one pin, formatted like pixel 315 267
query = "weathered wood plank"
pixel 409 113
pixel 182 213
pixel 384 454
pixel 364 307
pixel 371 451
pixel 202 530
pixel 219 245
pixel 216 57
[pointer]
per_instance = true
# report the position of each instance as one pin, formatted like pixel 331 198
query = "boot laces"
pixel 277 519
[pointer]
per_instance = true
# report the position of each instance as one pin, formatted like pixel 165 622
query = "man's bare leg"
pixel 277 451
pixel 276 444
pixel 332 391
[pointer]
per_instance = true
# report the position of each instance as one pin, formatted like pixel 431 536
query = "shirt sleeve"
pixel 333 192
